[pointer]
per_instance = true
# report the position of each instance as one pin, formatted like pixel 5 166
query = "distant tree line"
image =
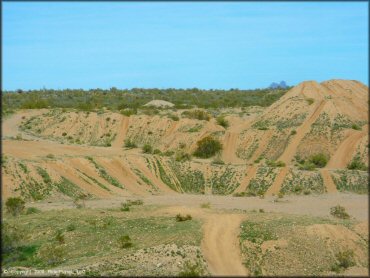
pixel 117 99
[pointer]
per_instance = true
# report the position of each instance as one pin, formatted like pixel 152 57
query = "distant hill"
pixel 281 85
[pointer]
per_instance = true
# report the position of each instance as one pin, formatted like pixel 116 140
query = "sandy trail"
pixel 328 181
pixel 275 187
pixel 229 148
pixel 262 145
pixel 251 173
pixel 346 149
pixel 220 245
pixel 121 134
pixel 291 149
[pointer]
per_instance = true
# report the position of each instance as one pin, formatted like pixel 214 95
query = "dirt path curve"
pixel 220 245
pixel 275 187
pixel 121 134
pixel 328 181
pixel 291 149
pixel 346 149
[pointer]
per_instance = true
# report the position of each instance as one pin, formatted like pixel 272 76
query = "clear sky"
pixel 182 45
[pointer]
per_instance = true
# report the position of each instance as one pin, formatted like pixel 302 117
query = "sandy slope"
pixel 328 181
pixel 275 187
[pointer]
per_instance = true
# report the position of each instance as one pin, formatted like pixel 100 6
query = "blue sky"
pixel 182 45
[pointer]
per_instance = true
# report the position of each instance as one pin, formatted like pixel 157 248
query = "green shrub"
pixel 307 166
pixel 71 227
pixel 272 163
pixel 32 210
pixel 51 156
pixel 180 218
pixel 125 241
pixel 208 147
pixel 128 112
pixel 190 269
pixel 218 161
pixel 310 101
pixel 356 127
pixel 222 121
pixel 182 156
pixel 125 207
pixel 59 237
pixel 52 254
pixel 293 132
pixel 129 144
pixel 339 212
pixel 319 160
pixel 157 151
pixel 147 148
pixel 137 202
pixel 344 260
pixel 168 153
pixel 173 117
pixel 357 164
pixel 196 114
pixel 15 205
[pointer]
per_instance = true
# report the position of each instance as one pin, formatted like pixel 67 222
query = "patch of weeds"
pixel 147 148
pixel 181 218
pixel 125 241
pixel 357 164
pixel 32 210
pixel 15 205
pixel 344 260
pixel 339 212
pixel 192 269
pixel 222 121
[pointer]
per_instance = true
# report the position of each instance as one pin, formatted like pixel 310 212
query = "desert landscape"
pixel 257 183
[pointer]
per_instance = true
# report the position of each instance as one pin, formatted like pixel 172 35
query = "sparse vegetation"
pixel 129 144
pixel 357 164
pixel 205 205
pixel 125 241
pixel 196 114
pixel 344 260
pixel 319 160
pixel 190 269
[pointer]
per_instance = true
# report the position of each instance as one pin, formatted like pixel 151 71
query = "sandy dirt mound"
pixel 160 103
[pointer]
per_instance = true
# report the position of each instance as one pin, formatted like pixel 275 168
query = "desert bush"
pixel 293 132
pixel 208 147
pixel 157 151
pixel 182 156
pixel 261 210
pixel 180 217
pixel 339 212
pixel 125 207
pixel 59 237
pixel 222 121
pixel 51 156
pixel 168 153
pixel 310 101
pixel 64 134
pixel 129 144
pixel 52 254
pixel 190 269
pixel 356 127
pixel 320 160
pixel 357 164
pixel 307 166
pixel 196 114
pixel 71 227
pixel 173 117
pixel 218 161
pixel 125 241
pixel 272 163
pixel 344 260
pixel 128 112
pixel 147 148
pixel 32 210
pixel 137 202
pixel 15 205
